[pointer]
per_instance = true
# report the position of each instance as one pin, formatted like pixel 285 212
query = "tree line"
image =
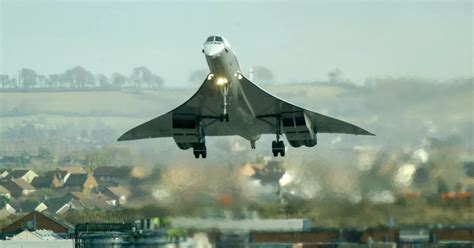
pixel 79 78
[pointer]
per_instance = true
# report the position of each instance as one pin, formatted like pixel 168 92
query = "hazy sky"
pixel 298 41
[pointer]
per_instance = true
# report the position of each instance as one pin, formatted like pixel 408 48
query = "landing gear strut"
pixel 278 147
pixel 223 117
pixel 225 101
pixel 199 148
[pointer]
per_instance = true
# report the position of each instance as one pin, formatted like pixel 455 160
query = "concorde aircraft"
pixel 228 103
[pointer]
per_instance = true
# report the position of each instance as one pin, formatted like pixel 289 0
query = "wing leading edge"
pixel 266 104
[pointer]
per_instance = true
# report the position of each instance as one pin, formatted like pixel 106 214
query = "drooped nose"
pixel 214 49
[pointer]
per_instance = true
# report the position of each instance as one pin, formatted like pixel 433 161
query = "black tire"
pixel 282 152
pixel 274 145
pixel 281 145
pixel 295 143
pixel 275 153
pixel 196 154
pixel 221 118
pixel 310 143
pixel 227 117
pixel 204 154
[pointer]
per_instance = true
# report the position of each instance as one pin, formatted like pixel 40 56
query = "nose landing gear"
pixel 224 86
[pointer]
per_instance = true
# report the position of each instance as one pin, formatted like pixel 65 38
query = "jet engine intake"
pixel 298 129
pixel 185 130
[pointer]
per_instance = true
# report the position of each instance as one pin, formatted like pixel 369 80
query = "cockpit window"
pixel 211 38
pixel 218 38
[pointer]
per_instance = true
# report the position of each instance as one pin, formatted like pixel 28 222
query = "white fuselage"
pixel 223 65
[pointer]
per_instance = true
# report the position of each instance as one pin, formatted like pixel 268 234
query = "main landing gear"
pixel 278 147
pixel 199 149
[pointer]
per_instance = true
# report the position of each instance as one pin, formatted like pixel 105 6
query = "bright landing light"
pixel 238 75
pixel 221 81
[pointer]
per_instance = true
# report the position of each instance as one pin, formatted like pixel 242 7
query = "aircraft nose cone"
pixel 213 50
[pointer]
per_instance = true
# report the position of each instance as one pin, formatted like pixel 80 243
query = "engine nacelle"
pixel 185 130
pixel 298 129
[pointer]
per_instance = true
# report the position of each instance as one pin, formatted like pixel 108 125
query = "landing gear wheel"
pixel 278 147
pixel 200 149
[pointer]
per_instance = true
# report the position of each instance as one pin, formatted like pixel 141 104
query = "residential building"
pixel 40 220
pixel 24 174
pixel 46 181
pixel 28 206
pixel 18 187
pixel 93 201
pixel 81 182
pixel 4 173
pixel 112 175
pixel 61 175
pixel 5 192
pixel 8 208
pixel 119 193
pixel 73 169
pixel 38 235
pixel 61 205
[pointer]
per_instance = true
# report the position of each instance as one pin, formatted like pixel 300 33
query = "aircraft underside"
pixel 227 103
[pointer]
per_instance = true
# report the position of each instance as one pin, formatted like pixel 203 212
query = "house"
pixel 119 194
pixel 24 174
pixel 28 206
pixel 46 181
pixel 8 208
pixel 38 235
pixel 18 187
pixel 73 169
pixel 63 204
pixel 112 175
pixel 39 220
pixel 81 182
pixel 93 201
pixel 4 173
pixel 63 173
pixel 4 192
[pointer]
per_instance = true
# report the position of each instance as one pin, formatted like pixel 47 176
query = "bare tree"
pixel 79 77
pixel 28 78
pixel 142 77
pixel 54 80
pixel 103 80
pixel 4 80
pixel 118 80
